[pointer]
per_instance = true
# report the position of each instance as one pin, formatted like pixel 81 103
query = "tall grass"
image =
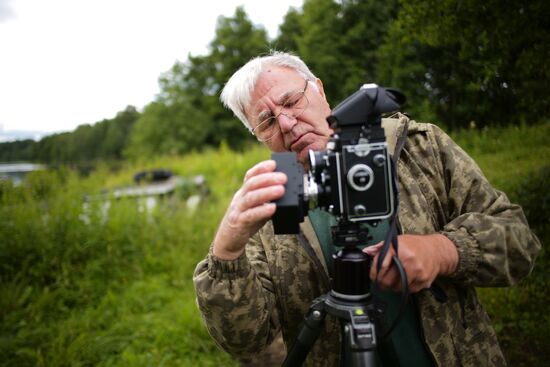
pixel 507 155
pixel 517 161
pixel 83 285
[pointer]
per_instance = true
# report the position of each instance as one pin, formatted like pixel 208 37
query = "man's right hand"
pixel 250 208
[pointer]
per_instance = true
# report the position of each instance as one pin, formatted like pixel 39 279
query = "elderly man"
pixel 455 229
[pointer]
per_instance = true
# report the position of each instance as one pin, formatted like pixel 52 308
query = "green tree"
pixel 117 132
pixel 83 143
pixel 492 55
pixel 187 113
pixel 365 24
pixel 237 40
pixel 103 140
pixel 402 65
pixel 166 129
pixel 49 148
pixel 19 150
pixel 338 40
pixel 290 31
pixel 318 44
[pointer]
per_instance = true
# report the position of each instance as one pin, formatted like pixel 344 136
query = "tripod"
pixel 350 301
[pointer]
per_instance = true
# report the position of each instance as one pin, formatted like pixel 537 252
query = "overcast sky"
pixel 64 63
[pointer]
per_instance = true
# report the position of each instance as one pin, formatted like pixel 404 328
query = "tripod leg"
pixel 307 335
pixel 359 343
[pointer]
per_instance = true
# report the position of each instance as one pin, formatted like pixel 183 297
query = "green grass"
pixel 507 156
pixel 82 287
pixel 517 161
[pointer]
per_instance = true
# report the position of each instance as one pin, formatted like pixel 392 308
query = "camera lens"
pixel 360 177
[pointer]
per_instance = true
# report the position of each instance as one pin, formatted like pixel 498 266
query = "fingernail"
pixel 281 177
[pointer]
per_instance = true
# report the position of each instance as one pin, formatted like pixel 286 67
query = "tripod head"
pixel 351 265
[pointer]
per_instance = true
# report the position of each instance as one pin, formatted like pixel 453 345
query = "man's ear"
pixel 319 86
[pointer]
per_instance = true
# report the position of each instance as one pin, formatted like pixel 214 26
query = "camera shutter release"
pixel 360 177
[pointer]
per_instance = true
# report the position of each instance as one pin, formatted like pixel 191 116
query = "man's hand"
pixel 424 258
pixel 249 209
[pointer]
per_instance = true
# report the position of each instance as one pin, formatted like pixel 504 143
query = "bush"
pixel 534 196
pixel 89 281
pixel 519 313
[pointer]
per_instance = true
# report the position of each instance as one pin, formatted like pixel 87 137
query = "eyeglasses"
pixel 292 107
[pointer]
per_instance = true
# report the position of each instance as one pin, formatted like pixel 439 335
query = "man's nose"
pixel 286 122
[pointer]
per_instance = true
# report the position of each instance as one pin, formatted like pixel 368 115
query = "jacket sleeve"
pixel 495 244
pixel 236 300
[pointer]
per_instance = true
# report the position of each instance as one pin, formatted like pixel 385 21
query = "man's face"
pixel 308 131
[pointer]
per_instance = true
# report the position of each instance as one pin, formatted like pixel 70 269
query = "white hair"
pixel 236 94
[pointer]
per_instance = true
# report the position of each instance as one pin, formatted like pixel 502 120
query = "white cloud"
pixel 70 62
pixel 6 12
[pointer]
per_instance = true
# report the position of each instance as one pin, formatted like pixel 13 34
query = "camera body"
pixel 353 183
pixel 353 178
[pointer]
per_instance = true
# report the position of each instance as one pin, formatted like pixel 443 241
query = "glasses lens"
pixel 298 103
pixel 266 129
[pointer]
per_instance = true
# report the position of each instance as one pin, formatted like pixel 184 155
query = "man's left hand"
pixel 424 258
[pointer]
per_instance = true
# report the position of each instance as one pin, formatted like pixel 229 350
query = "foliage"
pixel 489 64
pixel 338 41
pixel 149 137
pixel 515 160
pixel 82 283
pixel 522 148
pixel 521 310
pixel 289 32
pixel 534 196
pixel 104 140
pixel 403 67
pixel 88 280
pixel 19 150
pixel 187 114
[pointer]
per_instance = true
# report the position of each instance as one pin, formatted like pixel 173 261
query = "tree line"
pixel 461 63
pixel 104 140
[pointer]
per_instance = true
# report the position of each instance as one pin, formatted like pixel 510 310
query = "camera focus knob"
pixel 379 160
pixel 360 210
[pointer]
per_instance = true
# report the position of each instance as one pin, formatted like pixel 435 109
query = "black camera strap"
pixel 391 239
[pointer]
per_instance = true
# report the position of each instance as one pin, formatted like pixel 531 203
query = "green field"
pixel 82 285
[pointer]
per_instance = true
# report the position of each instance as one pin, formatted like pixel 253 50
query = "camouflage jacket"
pixel 245 302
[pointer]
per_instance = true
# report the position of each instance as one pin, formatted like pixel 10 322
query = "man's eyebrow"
pixel 284 97
pixel 256 112
pixel 263 115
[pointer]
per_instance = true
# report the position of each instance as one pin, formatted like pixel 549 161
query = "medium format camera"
pixel 353 178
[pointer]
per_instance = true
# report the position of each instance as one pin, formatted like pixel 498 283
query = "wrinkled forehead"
pixel 272 84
